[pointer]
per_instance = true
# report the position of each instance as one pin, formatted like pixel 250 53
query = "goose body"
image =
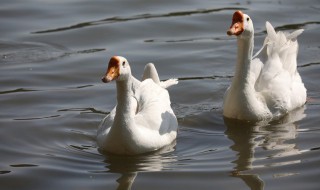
pixel 265 86
pixel 143 120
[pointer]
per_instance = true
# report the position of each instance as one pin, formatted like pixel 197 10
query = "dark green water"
pixel 53 54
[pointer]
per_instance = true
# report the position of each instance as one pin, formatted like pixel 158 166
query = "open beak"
pixel 236 27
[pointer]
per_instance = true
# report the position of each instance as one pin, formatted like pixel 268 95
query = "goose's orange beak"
pixel 236 27
pixel 113 70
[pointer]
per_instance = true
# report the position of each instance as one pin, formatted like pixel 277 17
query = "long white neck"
pixel 125 105
pixel 242 73
pixel 242 100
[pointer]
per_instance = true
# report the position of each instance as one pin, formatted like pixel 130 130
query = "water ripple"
pixel 4 172
pixel 31 52
pixel 22 90
pixel 184 40
pixel 206 77
pixel 17 91
pixel 309 64
pixel 83 110
pixel 137 17
pixel 296 26
pixel 23 165
pixel 37 118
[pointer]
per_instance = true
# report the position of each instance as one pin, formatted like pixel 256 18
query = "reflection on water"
pixel 126 180
pixel 130 166
pixel 275 139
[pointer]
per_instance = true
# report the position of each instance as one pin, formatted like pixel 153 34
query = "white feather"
pixel 147 123
pixel 272 86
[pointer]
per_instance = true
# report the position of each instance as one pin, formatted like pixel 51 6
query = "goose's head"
pixel 118 69
pixel 241 25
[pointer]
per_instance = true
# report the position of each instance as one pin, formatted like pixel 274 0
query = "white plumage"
pixel 268 85
pixel 142 121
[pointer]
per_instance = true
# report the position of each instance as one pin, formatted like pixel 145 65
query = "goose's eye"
pixel 248 19
pixel 123 63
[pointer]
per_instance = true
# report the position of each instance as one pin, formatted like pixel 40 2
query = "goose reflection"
pixel 262 143
pixel 129 166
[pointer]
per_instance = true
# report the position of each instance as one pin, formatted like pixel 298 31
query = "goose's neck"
pixel 124 97
pixel 245 49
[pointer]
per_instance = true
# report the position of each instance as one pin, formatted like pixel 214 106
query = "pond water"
pixel 53 54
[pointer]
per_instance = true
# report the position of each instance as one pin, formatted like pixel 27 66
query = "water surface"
pixel 53 54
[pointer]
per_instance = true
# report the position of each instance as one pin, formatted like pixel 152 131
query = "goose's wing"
pixel 154 108
pixel 285 46
pixel 150 71
pixel 279 57
pixel 279 81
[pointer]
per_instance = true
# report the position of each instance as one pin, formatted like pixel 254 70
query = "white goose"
pixel 142 121
pixel 268 85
